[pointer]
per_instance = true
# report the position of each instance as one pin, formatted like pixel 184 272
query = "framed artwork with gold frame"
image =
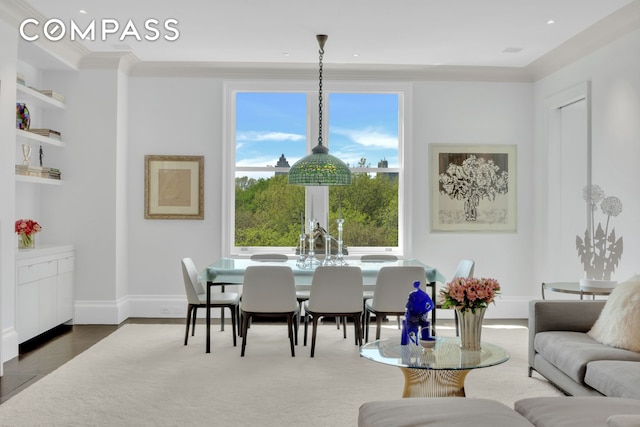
pixel 173 187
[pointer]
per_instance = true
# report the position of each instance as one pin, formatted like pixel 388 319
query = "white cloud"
pixel 369 137
pixel 268 136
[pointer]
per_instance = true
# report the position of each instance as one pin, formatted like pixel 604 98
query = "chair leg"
pixel 186 334
pixel 378 326
pixel 344 326
pixel 233 323
pixel 306 327
pixel 245 325
pixel 358 328
pixel 313 335
pixel 222 312
pixel 194 314
pixel 291 331
pixel 367 319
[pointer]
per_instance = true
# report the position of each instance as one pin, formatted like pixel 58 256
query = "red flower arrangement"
pixel 26 228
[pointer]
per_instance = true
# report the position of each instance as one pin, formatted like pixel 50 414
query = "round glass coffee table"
pixel 436 372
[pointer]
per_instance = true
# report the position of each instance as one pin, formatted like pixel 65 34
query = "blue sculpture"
pixel 416 325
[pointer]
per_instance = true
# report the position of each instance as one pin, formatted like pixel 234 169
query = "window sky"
pixel 360 125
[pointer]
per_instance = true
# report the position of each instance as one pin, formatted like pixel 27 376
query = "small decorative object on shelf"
pixel 26 152
pixel 470 298
pixel 415 325
pixel 26 230
pixel 23 118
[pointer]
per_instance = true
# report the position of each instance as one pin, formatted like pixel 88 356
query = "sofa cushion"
pixel 614 378
pixel 571 351
pixel 574 411
pixel 619 321
pixel 623 421
pixel 438 412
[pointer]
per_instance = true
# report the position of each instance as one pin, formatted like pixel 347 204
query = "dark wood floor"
pixel 41 356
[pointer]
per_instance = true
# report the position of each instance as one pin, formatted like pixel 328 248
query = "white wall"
pixel 613 73
pixel 8 59
pixel 171 116
pixel 476 113
pixel 184 116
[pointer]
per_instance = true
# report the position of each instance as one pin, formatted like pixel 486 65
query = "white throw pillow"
pixel 619 322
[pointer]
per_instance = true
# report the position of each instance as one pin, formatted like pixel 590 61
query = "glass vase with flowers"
pixel 470 297
pixel 26 230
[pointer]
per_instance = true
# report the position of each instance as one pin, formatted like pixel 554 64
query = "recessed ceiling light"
pixel 82 12
pixel 551 21
pixel 285 53
pixel 356 55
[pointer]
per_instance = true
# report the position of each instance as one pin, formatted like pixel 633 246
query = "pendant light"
pixel 320 168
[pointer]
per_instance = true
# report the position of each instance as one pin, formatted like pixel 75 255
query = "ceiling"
pixel 481 33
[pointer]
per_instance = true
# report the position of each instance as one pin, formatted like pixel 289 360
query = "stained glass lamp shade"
pixel 320 168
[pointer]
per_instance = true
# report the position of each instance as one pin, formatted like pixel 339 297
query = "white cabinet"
pixel 44 297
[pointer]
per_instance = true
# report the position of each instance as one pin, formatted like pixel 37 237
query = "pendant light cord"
pixel 321 51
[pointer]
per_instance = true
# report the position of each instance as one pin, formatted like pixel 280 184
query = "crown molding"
pixel 603 32
pixel 61 54
pixel 122 61
pixel 296 71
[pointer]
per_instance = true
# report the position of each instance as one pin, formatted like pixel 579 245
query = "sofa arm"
pixel 578 316
pixel 561 315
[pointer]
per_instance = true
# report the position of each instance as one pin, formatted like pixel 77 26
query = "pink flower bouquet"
pixel 469 293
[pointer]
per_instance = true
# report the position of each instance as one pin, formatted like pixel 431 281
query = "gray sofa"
pixel 561 351
pixel 532 412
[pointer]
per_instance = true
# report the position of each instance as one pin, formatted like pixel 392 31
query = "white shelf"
pixel 38 180
pixel 32 96
pixel 42 139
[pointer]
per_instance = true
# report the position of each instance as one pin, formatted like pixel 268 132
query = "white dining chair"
pixel 335 292
pixel 269 291
pixel 197 298
pixel 393 285
pixel 269 257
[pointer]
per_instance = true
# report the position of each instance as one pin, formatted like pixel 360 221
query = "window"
pixel 270 127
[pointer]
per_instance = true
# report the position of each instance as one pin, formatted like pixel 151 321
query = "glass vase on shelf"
pixel 26 241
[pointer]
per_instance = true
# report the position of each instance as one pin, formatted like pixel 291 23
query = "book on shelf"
pixel 49 133
pixel 53 94
pixel 38 171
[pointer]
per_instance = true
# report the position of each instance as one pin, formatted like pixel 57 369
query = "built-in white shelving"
pixel 30 95
pixel 39 138
pixel 38 180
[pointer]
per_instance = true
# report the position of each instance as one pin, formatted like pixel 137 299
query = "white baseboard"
pixel 9 344
pixel 101 312
pixel 175 306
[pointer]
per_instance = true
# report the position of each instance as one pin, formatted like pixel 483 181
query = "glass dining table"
pixel 229 271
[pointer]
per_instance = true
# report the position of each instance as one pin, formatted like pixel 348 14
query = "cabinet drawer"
pixel 65 265
pixel 29 273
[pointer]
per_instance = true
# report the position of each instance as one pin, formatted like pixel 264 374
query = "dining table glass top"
pixel 231 270
pixel 445 355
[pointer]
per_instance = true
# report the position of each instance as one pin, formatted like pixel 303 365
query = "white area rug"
pixel 143 375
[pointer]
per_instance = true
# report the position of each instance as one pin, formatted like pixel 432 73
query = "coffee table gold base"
pixel 433 383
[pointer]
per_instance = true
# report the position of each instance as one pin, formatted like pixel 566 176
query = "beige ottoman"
pixel 575 411
pixel 439 411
